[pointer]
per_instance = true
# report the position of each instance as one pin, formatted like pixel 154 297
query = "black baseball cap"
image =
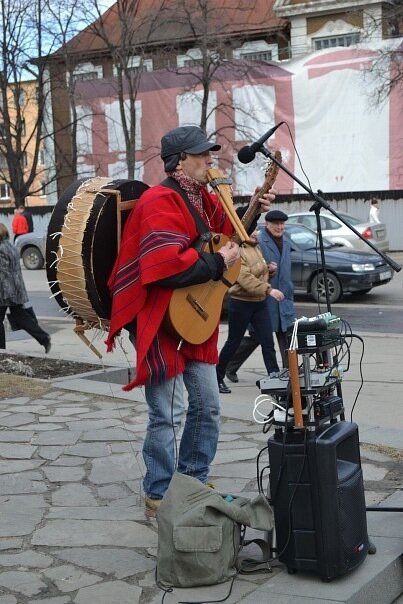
pixel 276 215
pixel 185 139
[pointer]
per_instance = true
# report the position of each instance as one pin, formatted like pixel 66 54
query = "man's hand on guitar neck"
pixel 230 252
pixel 265 200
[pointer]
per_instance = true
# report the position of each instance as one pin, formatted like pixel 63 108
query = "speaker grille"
pixel 353 524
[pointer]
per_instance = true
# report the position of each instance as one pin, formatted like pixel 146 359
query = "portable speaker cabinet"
pixel 317 494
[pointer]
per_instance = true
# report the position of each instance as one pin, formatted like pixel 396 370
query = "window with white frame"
pixel 136 64
pixel 189 108
pixel 190 59
pixel 335 33
pixel 257 50
pixel 4 191
pixel 333 41
pixel 194 57
pixel 116 135
pixel 84 129
pixel 87 71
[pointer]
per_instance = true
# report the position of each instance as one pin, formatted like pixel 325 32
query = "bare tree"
pixel 29 32
pixel 213 32
pixel 65 20
pixel 127 32
pixel 387 68
pixel 21 123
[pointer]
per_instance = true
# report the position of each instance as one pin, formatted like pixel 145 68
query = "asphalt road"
pixel 378 311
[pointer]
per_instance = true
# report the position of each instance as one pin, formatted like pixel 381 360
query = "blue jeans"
pixel 240 314
pixel 198 445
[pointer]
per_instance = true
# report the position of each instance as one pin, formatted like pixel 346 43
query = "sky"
pixel 104 4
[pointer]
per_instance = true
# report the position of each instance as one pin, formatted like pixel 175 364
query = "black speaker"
pixel 317 494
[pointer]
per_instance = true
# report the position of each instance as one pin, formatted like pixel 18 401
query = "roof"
pixel 164 22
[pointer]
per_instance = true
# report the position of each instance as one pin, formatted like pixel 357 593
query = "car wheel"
pixel 318 288
pixel 361 292
pixel 32 258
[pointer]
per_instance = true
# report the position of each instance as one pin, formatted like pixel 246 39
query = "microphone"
pixel 247 153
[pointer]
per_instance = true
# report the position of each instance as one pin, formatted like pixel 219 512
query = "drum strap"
pixel 201 226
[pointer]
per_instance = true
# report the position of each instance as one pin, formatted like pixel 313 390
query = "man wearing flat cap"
pixel 276 251
pixel 157 255
pixel 276 248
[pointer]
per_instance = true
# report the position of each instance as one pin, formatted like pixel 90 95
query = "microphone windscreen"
pixel 246 155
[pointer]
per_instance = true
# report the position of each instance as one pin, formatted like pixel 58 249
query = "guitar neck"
pixel 249 216
pixel 254 205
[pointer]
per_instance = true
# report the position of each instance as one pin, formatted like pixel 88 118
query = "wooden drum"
pixel 82 245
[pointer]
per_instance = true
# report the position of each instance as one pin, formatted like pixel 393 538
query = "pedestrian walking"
pixel 13 295
pixel 248 304
pixel 374 212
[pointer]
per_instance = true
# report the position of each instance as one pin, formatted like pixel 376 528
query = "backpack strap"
pixel 254 565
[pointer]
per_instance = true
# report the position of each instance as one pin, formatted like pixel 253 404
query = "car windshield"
pixel 350 219
pixel 304 238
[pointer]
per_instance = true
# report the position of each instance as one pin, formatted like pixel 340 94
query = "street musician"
pixel 159 253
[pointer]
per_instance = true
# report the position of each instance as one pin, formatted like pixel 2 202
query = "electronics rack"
pixel 320 389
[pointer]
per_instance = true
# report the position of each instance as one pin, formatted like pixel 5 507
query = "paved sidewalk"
pixel 72 528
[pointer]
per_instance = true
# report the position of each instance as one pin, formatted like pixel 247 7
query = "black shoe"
pixel 232 377
pixel 47 345
pixel 222 387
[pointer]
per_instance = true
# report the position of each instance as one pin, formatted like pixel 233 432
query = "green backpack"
pixel 199 532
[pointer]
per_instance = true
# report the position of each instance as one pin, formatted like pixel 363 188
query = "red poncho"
pixel 156 244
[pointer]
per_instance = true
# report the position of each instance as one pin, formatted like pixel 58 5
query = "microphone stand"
pixel 320 202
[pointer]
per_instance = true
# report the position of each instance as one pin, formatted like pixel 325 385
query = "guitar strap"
pixel 202 229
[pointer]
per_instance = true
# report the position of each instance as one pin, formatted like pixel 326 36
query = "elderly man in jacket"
pixel 277 253
pixel 277 248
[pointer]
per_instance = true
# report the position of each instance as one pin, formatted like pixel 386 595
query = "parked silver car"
pixel 335 231
pixel 32 250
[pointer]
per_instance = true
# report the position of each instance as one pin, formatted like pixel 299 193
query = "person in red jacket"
pixel 19 223
pixel 157 255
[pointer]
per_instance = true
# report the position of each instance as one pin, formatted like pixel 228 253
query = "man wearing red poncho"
pixel 157 255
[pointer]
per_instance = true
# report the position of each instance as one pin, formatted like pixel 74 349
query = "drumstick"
pixel 295 388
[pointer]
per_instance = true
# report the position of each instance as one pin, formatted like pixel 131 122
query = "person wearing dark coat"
pixel 276 248
pixel 248 303
pixel 29 219
pixel 13 295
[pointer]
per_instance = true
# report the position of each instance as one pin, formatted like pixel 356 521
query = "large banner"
pixel 333 137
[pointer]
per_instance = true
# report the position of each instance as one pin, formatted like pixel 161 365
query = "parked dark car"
pixel 347 270
pixel 32 250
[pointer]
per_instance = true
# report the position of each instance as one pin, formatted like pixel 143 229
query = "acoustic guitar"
pixel 194 311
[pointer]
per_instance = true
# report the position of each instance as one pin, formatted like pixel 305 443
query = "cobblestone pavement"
pixel 72 528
